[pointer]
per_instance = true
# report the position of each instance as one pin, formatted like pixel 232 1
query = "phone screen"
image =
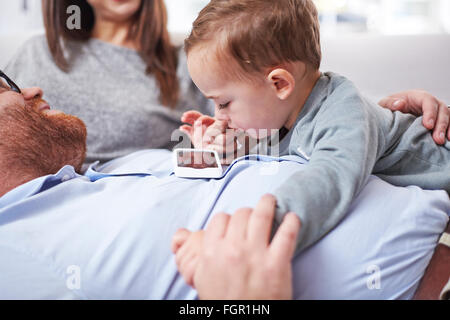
pixel 196 159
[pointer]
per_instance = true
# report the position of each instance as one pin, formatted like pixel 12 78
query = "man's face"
pixel 12 98
pixel 37 138
pixel 251 107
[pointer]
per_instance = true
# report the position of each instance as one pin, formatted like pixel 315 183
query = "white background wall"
pixel 20 16
pixel 381 56
pixel 374 16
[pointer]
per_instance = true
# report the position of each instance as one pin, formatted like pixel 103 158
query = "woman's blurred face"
pixel 115 10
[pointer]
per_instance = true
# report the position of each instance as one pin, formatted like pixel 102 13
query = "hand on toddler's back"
pixel 234 257
pixel 436 114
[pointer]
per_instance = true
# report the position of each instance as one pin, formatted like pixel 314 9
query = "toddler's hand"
pixel 187 246
pixel 209 133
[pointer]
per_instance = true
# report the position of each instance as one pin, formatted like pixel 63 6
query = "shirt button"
pixel 303 154
pixel 66 178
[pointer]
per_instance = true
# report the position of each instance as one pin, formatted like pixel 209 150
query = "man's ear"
pixel 282 82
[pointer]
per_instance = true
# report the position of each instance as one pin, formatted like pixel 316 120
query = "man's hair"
pixel 259 34
pixel 36 145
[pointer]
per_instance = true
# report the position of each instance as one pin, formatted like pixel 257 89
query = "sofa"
pixel 379 65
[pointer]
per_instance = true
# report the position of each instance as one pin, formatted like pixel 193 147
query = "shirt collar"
pixel 38 185
pixel 94 173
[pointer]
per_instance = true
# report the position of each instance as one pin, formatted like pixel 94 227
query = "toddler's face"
pixel 252 107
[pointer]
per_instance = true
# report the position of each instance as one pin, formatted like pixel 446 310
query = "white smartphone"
pixel 194 163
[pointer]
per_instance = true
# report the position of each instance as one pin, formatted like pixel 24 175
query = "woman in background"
pixel 119 73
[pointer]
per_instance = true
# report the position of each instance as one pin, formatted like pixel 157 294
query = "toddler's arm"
pixel 346 144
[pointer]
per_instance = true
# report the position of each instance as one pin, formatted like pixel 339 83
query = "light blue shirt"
pixel 107 235
pixel 38 185
pixel 106 224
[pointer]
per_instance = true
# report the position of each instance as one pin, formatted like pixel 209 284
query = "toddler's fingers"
pixel 206 121
pixel 222 125
pixel 204 124
pixel 190 117
pixel 212 132
pixel 227 151
pixel 198 134
pixel 189 130
pixel 227 139
pixel 179 239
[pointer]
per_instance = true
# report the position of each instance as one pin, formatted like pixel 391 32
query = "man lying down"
pixel 107 235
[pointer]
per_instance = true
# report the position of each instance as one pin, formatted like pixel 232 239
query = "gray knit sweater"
pixel 346 138
pixel 109 90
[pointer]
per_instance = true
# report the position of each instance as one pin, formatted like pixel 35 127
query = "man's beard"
pixel 37 144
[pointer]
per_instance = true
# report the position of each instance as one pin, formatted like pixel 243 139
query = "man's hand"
pixel 208 133
pixel 237 260
pixel 436 114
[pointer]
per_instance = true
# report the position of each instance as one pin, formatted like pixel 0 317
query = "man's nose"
pixel 32 93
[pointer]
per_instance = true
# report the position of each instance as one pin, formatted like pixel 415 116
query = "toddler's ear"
pixel 282 82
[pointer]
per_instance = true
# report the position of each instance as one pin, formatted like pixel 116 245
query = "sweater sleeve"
pixel 344 154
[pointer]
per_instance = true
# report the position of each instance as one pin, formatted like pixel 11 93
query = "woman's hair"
pixel 149 29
